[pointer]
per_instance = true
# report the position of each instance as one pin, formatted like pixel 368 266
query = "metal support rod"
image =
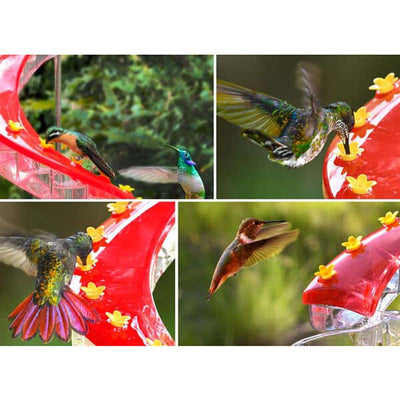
pixel 57 84
pixel 57 94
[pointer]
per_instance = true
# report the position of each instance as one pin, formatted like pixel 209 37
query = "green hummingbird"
pixel 255 241
pixel 52 308
pixel 185 174
pixel 82 145
pixel 292 136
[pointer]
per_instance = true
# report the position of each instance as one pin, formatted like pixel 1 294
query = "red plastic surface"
pixel 126 257
pixel 45 173
pixel 361 276
pixel 380 161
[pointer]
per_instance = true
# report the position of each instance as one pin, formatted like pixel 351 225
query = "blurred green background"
pixel 131 106
pixel 62 219
pixel 262 305
pixel 244 170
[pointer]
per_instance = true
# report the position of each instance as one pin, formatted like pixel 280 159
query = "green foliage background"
pixel 244 171
pixel 262 305
pixel 131 106
pixel 62 219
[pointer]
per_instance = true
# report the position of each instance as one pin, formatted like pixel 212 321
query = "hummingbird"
pixel 82 145
pixel 52 308
pixel 255 241
pixel 292 136
pixel 185 174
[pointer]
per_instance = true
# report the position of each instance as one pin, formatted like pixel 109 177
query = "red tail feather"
pixel 72 312
pixel 46 323
pixel 76 320
pixel 31 325
pixel 62 325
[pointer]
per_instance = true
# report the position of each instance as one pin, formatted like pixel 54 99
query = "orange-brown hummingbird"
pixel 256 240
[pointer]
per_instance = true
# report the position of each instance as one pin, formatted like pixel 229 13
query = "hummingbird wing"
pixel 253 110
pixel 89 148
pixel 44 235
pixel 308 79
pixel 152 174
pixel 268 248
pixel 272 228
pixel 13 251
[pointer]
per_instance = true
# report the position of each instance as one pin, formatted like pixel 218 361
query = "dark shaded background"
pixel 62 219
pixel 243 168
pixel 131 106
pixel 261 305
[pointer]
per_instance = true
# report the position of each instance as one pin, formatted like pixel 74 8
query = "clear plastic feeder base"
pixel 382 330
pixel 66 188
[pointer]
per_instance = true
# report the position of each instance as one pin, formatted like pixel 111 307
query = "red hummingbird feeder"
pixel 351 294
pixel 371 171
pixel 121 272
pixel 28 162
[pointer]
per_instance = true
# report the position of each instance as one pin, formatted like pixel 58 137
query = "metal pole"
pixel 57 89
pixel 57 83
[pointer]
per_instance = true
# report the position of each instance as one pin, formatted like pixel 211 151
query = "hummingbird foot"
pixel 277 151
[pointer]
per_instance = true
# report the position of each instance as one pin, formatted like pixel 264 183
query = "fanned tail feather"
pixel 72 312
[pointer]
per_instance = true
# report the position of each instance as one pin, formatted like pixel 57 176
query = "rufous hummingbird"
pixel 255 241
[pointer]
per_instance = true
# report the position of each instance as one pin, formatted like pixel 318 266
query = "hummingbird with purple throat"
pixel 292 136
pixel 255 241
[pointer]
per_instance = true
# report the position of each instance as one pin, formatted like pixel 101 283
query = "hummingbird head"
pixel 53 133
pixel 183 155
pixel 250 227
pixel 344 122
pixel 83 245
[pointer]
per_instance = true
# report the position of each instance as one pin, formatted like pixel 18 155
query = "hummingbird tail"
pixel 102 165
pixel 72 312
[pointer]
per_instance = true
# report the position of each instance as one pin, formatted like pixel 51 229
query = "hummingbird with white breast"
pixel 185 174
pixel 292 136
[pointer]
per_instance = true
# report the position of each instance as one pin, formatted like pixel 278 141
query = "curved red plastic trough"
pixel 380 160
pixel 126 266
pixel 45 173
pixel 361 276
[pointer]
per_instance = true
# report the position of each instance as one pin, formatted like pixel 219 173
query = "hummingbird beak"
pixel 172 147
pixel 83 259
pixel 344 134
pixel 346 143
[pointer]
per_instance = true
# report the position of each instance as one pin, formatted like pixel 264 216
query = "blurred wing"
pixel 13 251
pixel 152 174
pixel 271 229
pixel 91 151
pixel 269 247
pixel 44 235
pixel 308 79
pixel 252 110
